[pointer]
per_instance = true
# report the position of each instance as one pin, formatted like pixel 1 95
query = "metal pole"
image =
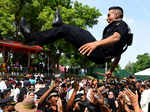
pixel 106 67
pixel 48 63
pixel 29 56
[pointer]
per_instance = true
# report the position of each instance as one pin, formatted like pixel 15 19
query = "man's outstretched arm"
pixel 89 47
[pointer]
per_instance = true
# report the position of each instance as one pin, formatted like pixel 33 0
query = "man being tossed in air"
pixel 115 38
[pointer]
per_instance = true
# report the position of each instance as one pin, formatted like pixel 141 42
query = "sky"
pixel 136 14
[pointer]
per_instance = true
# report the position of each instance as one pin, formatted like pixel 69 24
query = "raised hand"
pixel 76 85
pixel 91 96
pixel 134 100
pixel 87 48
pixel 101 98
pixel 59 105
pixel 108 74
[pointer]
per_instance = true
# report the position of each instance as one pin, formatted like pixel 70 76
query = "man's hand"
pixel 92 98
pixel 132 96
pixel 113 66
pixel 87 48
pixel 108 74
pixel 59 105
pixel 76 85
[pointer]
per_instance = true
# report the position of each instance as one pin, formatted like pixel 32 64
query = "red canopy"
pixel 16 46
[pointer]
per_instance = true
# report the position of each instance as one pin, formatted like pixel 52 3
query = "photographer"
pixel 50 100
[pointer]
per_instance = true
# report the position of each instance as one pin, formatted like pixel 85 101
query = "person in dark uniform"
pixel 114 39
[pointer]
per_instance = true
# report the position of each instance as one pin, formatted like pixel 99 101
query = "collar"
pixel 119 19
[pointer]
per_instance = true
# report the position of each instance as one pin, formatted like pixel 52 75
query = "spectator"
pixel 113 104
pixel 28 105
pixel 145 98
pixel 138 86
pixel 32 80
pixel 86 95
pixel 2 84
pixel 50 101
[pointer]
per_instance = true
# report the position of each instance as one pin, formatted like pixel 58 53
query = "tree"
pixel 40 13
pixel 143 62
pixel 130 68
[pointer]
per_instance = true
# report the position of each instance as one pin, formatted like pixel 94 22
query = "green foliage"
pixel 130 67
pixel 39 14
pixel 143 62
pixel 87 16
pixel 1 60
pixel 75 60
pixel 6 18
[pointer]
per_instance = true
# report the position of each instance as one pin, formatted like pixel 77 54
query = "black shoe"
pixel 57 19
pixel 24 27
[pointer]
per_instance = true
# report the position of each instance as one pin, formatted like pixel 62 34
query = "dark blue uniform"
pixel 79 37
pixel 122 28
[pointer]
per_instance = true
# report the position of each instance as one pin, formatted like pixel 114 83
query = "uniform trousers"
pixel 75 35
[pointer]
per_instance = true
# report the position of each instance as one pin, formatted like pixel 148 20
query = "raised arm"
pixel 134 99
pixel 114 65
pixel 89 47
pixel 71 100
pixel 44 96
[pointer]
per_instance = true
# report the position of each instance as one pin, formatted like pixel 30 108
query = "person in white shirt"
pixel 2 85
pixel 145 98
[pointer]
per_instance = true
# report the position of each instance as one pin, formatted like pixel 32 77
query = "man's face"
pixel 137 85
pixel 112 16
pixel 53 100
pixel 9 108
pixel 32 95
pixel 32 88
pixel 110 95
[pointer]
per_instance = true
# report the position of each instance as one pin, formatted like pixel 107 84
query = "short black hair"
pixel 117 8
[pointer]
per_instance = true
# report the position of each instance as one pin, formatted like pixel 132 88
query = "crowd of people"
pixel 36 93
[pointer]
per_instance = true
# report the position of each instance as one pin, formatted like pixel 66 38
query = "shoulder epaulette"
pixel 118 23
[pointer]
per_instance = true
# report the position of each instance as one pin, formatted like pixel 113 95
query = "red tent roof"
pixel 19 46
